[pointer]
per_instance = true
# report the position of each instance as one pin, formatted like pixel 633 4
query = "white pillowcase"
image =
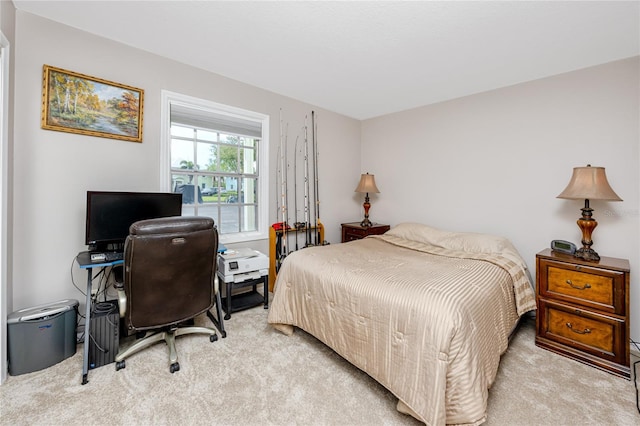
pixel 468 242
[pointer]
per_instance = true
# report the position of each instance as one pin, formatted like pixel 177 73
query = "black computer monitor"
pixel 110 214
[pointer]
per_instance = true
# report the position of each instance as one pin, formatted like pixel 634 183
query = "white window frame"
pixel 168 98
pixel 4 201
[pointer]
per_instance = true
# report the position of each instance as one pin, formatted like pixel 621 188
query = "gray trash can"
pixel 41 336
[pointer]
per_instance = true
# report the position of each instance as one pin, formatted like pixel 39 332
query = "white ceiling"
pixel 365 59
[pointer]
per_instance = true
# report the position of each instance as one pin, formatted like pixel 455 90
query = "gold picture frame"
pixel 78 103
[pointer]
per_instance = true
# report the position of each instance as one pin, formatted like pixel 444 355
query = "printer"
pixel 241 265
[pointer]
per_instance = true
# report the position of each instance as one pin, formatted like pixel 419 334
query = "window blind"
pixel 211 120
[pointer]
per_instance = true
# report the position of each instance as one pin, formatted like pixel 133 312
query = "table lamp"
pixel 366 185
pixel 588 183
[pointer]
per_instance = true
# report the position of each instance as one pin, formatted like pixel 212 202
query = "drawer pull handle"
pixel 585 331
pixel 577 287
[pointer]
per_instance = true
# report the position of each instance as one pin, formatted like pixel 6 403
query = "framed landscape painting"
pixel 78 103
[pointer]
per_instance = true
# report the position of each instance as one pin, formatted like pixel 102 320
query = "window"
pixel 216 156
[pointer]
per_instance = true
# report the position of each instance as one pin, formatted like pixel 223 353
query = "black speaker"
pixel 104 333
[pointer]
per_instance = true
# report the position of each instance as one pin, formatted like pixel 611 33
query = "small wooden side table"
pixel 353 231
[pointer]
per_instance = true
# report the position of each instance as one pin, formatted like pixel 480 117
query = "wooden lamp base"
pixel 587 224
pixel 366 222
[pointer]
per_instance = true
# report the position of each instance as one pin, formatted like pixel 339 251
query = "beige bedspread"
pixel 426 322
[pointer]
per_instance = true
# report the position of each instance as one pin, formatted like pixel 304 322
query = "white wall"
pixel 7 19
pixel 495 162
pixel 53 170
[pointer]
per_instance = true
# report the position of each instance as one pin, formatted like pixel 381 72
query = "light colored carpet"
pixel 259 376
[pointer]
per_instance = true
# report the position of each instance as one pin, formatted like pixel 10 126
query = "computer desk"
pixel 84 261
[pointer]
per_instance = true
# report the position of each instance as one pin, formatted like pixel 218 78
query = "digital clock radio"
pixel 563 246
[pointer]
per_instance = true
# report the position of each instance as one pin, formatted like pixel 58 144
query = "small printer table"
pixel 247 299
pixel 240 269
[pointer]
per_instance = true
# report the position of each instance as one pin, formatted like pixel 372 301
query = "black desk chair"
pixel 169 279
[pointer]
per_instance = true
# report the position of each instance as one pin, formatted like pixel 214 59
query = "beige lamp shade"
pixel 367 184
pixel 589 183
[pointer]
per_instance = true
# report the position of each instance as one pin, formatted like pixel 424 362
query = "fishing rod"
pixel 277 185
pixel 275 226
pixel 315 196
pixel 316 188
pixel 283 183
pixel 286 185
pixel 295 190
pixel 306 187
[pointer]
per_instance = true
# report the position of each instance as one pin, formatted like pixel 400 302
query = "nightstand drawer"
pixel 583 330
pixel 355 231
pixel 590 287
pixel 355 234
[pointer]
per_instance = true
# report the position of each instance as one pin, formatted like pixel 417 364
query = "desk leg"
pixel 266 291
pixel 87 338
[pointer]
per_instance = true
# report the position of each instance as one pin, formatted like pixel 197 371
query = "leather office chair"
pixel 169 279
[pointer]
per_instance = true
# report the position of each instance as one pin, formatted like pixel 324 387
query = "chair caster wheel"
pixel 213 338
pixel 120 365
pixel 174 367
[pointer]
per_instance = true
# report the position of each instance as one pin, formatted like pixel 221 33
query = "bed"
pixel 425 312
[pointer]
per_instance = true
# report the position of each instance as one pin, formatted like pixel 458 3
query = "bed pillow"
pixel 468 242
pixel 418 232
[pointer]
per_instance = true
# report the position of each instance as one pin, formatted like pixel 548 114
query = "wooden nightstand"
pixel 583 309
pixel 353 231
